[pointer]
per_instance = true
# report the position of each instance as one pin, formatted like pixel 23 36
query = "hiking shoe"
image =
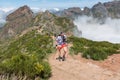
pixel 63 59
pixel 59 58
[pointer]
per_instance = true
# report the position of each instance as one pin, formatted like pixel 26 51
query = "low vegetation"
pixel 92 49
pixel 27 56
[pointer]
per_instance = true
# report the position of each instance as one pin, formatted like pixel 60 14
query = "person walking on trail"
pixel 64 46
pixel 57 41
pixel 61 46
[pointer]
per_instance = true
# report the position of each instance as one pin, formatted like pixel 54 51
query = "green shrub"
pixel 26 65
pixel 25 56
pixel 93 49
pixel 95 53
pixel 46 71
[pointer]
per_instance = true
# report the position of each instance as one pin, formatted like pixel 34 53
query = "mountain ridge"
pixel 99 10
pixel 23 18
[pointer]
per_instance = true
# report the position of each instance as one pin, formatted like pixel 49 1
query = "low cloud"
pixel 92 29
pixel 7 9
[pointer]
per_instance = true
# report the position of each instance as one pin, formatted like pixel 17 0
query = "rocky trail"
pixel 78 68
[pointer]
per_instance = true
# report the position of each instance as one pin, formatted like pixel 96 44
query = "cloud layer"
pixel 91 29
pixel 6 9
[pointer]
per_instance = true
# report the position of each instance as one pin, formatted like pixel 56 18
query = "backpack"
pixel 64 38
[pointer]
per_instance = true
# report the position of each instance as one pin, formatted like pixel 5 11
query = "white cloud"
pixel 4 12
pixel 110 31
pixel 7 9
pixel 2 21
pixel 56 9
pixel 35 8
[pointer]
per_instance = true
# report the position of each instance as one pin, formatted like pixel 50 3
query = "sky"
pixel 10 4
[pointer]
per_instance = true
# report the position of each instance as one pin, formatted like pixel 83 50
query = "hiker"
pixel 61 45
pixel 57 41
pixel 64 46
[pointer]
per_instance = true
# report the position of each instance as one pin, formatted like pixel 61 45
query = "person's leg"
pixel 58 52
pixel 65 55
pixel 67 51
pixel 62 52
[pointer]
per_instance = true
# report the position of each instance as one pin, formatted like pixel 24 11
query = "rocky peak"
pixel 21 12
pixel 87 11
pixel 99 11
pixel 73 11
pixel 108 9
pixel 70 12
pixel 17 21
pixel 113 9
pixel 76 10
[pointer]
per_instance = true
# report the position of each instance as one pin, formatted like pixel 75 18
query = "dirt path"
pixel 75 69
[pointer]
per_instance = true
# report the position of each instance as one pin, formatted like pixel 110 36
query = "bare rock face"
pixel 71 12
pixel 74 10
pixel 87 11
pixel 99 11
pixel 108 9
pixel 17 22
pixel 21 12
pixel 113 9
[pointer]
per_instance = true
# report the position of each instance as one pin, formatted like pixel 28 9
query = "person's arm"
pixel 56 41
pixel 65 38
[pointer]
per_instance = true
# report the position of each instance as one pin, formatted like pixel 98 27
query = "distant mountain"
pixel 70 12
pixel 99 10
pixel 74 12
pixel 113 9
pixel 108 9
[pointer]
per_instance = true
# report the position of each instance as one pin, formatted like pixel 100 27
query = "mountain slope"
pixel 50 23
